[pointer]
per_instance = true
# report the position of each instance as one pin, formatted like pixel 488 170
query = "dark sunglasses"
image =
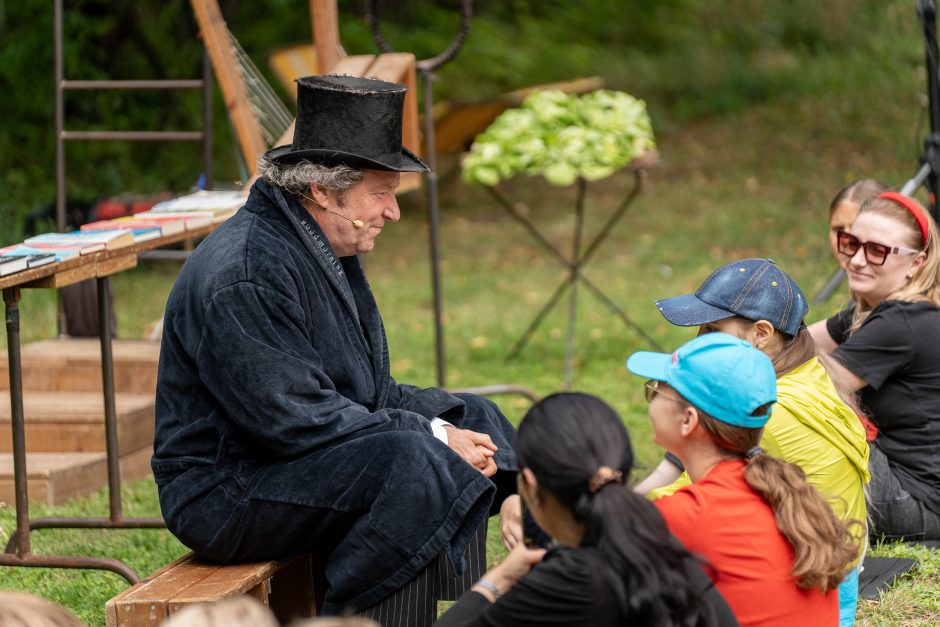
pixel 876 254
pixel 651 389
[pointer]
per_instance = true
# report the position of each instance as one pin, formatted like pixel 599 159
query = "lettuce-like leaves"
pixel 562 137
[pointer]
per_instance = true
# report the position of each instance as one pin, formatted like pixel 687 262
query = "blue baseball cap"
pixel 722 375
pixel 755 289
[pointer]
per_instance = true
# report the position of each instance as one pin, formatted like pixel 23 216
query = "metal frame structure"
pixel 575 264
pixel 98 266
pixel 62 135
pixel 18 550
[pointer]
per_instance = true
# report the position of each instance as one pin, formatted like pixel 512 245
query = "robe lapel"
pixel 370 321
pixel 315 241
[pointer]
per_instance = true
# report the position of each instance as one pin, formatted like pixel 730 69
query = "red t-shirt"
pixel 723 520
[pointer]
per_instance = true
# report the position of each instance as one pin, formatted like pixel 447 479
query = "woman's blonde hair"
pixel 823 545
pixel 242 611
pixel 924 286
pixel 20 609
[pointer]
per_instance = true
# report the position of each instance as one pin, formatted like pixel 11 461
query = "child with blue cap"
pixel 755 300
pixel 773 545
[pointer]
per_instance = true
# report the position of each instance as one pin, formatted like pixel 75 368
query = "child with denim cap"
pixel 772 544
pixel 812 427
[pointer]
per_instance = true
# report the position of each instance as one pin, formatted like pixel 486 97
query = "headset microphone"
pixel 356 223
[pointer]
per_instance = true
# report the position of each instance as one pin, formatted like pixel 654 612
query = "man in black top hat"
pixel 279 429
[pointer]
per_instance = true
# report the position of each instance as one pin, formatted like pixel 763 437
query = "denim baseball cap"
pixel 755 289
pixel 722 375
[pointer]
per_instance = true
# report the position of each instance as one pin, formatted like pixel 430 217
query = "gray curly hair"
pixel 296 178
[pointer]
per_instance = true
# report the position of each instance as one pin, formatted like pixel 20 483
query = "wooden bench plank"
pixel 145 603
pixel 284 585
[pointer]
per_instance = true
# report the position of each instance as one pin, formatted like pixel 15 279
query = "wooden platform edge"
pixel 286 586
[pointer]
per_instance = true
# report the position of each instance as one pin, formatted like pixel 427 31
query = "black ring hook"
pixel 427 65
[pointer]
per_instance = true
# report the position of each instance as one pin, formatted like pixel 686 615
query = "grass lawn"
pixel 755 184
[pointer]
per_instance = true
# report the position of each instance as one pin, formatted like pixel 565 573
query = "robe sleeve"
pixel 259 363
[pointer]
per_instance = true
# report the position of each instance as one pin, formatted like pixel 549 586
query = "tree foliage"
pixel 683 57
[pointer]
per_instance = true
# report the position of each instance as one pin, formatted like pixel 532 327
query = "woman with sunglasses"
pixel 776 549
pixel 753 299
pixel 613 562
pixel 886 347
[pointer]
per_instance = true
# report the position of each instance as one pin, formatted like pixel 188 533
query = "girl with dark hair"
pixel 777 550
pixel 614 562
pixel 844 207
pixel 886 347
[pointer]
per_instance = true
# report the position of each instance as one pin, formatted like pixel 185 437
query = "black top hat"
pixel 344 120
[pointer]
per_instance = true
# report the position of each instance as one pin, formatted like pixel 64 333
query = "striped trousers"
pixel 415 605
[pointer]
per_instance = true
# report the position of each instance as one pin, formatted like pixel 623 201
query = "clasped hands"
pixel 477 449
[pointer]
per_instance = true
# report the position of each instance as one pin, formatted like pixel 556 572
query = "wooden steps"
pixel 64 413
pixel 54 478
pixel 73 422
pixel 74 364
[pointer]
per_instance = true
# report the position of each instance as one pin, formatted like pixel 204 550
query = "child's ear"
pixel 689 421
pixel 760 334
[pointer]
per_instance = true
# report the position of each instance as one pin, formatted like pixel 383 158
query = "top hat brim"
pixel 405 161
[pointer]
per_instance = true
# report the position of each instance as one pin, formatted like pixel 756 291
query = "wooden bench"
pixel 285 586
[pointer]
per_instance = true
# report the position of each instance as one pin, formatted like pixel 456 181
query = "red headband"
pixel 914 207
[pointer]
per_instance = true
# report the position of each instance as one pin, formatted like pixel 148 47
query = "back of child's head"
pixel 579 450
pixel 21 609
pixel 242 611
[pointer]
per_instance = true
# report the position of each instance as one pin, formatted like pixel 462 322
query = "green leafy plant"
pixel 562 137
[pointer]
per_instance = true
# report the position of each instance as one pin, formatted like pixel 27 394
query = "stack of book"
pixel 186 213
pixel 143 229
pixel 84 242
pixel 54 247
pixel 18 258
pixel 216 206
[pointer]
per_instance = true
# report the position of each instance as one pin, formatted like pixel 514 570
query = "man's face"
pixel 372 201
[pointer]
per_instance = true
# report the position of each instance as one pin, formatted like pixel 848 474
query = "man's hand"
pixel 510 521
pixel 477 449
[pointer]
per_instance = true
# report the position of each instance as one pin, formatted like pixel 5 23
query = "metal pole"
pixel 427 77
pixel 11 297
pixel 110 415
pixel 928 13
pixel 207 137
pixel 573 277
pixel 61 323
pixel 59 120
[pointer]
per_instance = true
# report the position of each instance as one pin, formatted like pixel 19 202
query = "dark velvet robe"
pixel 279 429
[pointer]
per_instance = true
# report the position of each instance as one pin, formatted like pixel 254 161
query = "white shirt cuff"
pixel 437 428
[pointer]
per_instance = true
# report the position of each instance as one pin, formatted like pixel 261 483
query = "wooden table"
pixel 99 266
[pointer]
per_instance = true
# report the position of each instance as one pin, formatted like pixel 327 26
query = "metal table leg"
pixel 20 539
pixel 575 265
